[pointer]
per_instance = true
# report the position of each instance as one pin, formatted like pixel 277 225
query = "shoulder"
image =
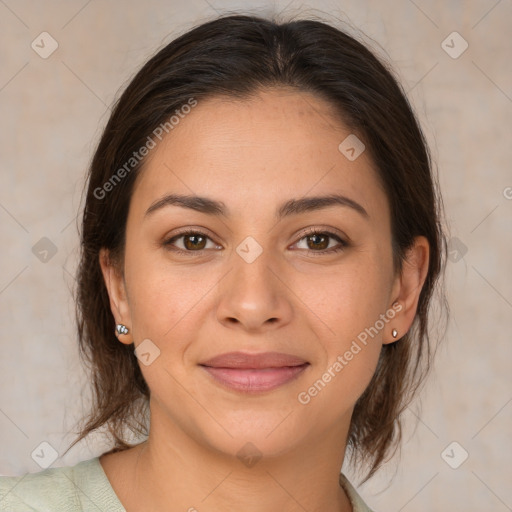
pixel 82 487
pixel 49 489
pixel 358 505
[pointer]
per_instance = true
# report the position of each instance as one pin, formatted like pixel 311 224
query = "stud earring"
pixel 121 329
pixel 394 332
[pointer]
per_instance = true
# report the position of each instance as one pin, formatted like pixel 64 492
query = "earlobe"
pixel 395 333
pixel 114 283
pixel 408 287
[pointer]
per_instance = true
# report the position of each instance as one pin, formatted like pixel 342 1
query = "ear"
pixel 116 287
pixel 407 287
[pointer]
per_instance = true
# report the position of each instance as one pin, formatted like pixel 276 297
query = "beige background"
pixel 52 112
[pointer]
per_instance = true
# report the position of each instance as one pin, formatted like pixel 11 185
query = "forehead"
pixel 278 144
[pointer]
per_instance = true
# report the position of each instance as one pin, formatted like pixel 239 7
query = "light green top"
pixel 84 488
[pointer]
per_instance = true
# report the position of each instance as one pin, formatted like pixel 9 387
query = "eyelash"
pixel 313 231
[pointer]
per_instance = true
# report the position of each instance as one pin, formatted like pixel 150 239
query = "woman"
pixel 261 241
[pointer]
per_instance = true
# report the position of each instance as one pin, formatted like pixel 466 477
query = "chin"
pixel 255 434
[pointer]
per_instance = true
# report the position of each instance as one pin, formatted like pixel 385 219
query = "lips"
pixel 244 360
pixel 254 373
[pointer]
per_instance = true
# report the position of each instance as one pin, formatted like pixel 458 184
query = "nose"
pixel 254 296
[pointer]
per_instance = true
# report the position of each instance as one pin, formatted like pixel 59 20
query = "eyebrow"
pixel 290 207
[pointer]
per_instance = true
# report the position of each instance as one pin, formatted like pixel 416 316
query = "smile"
pixel 255 380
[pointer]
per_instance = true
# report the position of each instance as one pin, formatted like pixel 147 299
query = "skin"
pixel 253 155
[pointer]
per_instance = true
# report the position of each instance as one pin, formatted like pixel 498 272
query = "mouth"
pixel 250 380
pixel 254 373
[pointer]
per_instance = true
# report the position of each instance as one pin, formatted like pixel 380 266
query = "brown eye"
pixel 194 242
pixel 320 242
pixel 191 241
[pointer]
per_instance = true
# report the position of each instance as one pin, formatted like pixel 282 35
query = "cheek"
pixel 349 306
pixel 346 300
pixel 156 297
pixel 352 345
pixel 163 306
pixel 167 302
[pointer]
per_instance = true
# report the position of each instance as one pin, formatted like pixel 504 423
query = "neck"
pixel 173 467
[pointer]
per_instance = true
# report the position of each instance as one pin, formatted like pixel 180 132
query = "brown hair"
pixel 237 56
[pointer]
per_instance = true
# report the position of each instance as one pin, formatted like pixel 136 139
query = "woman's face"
pixel 253 278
